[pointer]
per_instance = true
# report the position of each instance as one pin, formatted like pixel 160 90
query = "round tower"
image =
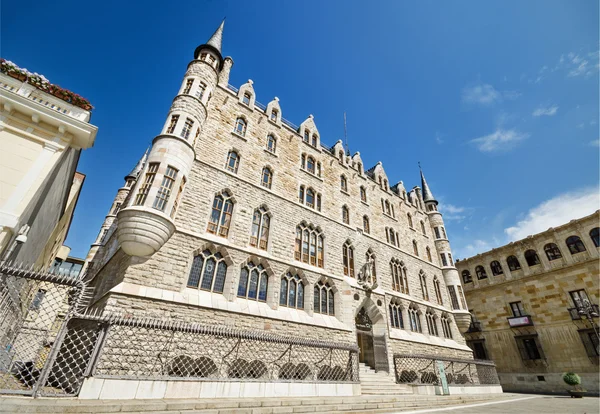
pixel 146 223
pixel 442 245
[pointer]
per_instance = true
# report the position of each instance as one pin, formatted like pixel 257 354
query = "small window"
pixel 424 289
pixel 359 168
pixel 595 236
pixel 188 86
pixel 444 260
pixel 267 177
pixel 261 221
pixel 580 298
pixel 513 263
pixel 246 98
pixel 271 144
pixel 363 194
pixel 341 157
pixel 438 290
pixel 575 245
pixel 423 228
pixel 240 126
pixel 480 272
pixel 318 169
pixel 310 164
pixel 517 309
pixel 233 161
pixel 366 226
pixel 446 326
pixel 478 347
pixel 385 184
pixel 172 124
pixel 254 282
pixel 343 183
pixel 164 191
pixel 415 248
pixel 116 208
pixel 552 251
pixel 348 259
pixel 428 251
pixel 388 210
pixel 436 230
pixel 590 342
pixel 314 140
pixel 306 136
pixel 310 198
pixel 453 297
pixel 274 114
pixel 532 258
pixel 144 189
pixel 466 276
pixel 496 268
pixel 301 194
pixel 410 222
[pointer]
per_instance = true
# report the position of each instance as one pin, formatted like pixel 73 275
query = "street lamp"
pixel 587 310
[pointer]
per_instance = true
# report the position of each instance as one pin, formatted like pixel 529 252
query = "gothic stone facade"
pixel 524 300
pixel 229 187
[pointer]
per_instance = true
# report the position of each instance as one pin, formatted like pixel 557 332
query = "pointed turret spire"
pixel 138 167
pixel 427 196
pixel 214 44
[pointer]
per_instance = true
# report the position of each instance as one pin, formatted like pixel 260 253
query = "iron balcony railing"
pixel 575 315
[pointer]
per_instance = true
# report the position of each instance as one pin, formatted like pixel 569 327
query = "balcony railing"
pixel 474 327
pixel 575 312
pixel 518 321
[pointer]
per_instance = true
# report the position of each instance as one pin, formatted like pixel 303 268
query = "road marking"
pixel 462 407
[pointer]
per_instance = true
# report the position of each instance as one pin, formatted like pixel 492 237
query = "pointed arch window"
pixel 513 263
pixel 310 198
pixel 414 318
pixel 310 164
pixel 370 256
pixel 309 245
pixel 595 236
pixel 423 228
pixel 480 272
pixel 254 282
pixel 431 325
pixel 396 316
pixel 306 136
pixel 291 292
pixel 388 209
pixel 208 272
pixel 233 161
pixel 220 219
pixel 246 98
pixel 410 222
pixel 446 326
pixel 399 276
pixel 240 126
pixel 532 258
pixel 318 169
pixel 301 194
pixel 424 289
pixel 261 222
pixel 415 248
pixel 314 140
pixel 428 251
pixel 391 236
pixel 271 143
pixel 348 259
pixel 575 245
pixel 366 226
pixel 466 276
pixel 496 268
pixel 274 113
pixel 343 183
pixel 267 177
pixel 324 299
pixel 359 167
pixel 363 194
pixel 345 215
pixel 438 290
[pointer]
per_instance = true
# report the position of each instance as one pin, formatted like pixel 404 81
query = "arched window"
pixel 323 300
pixel 343 183
pixel 309 245
pixel 409 217
pixel 438 290
pixel 431 325
pixel 363 194
pixel 532 258
pixel 291 292
pixel 388 210
pixel 220 219
pixel 595 236
pixel 399 276
pixel 314 140
pixel 385 184
pixel 301 194
pixel 359 168
pixel 310 198
pixel 415 248
pixel 318 169
pixel 208 272
pixel 496 268
pixel 303 161
pixel 253 282
pixel 271 144
pixel 513 263
pixel 310 164
pixel 267 177
pixel 575 245
pixel 274 113
pixel 240 126
pixel 415 320
pixel 446 326
pixel 423 228
pixel 396 316
pixel 370 256
pixel 233 161
pixel 366 227
pixel 552 251
pixel 424 290
pixel 318 202
pixel 391 236
pixel 260 228
pixel 480 272
pixel 345 215
pixel 428 251
pixel 348 256
pixel 246 98
pixel 466 276
pixel 306 136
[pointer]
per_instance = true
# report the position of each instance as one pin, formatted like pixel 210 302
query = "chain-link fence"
pixel 426 369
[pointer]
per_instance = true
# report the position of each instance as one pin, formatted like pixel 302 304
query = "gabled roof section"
pixel 138 167
pixel 309 124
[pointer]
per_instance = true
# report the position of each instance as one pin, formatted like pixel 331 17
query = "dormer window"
pixel 359 168
pixel 314 140
pixel 274 114
pixel 246 98
pixel 306 136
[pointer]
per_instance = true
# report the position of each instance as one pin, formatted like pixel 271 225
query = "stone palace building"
pixel 237 217
pixel 535 307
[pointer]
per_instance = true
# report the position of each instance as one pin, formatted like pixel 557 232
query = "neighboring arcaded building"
pixel 237 217
pixel 529 301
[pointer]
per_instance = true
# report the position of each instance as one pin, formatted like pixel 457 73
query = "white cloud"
pixel 595 143
pixel 500 140
pixel 439 138
pixel 555 212
pixel 482 93
pixel 549 111
pixel 471 249
pixel 577 65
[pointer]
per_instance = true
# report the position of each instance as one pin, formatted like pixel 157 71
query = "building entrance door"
pixel 364 338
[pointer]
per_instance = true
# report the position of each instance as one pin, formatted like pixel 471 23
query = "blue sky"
pixel 497 100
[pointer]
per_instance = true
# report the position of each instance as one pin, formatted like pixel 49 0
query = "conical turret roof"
pixel 427 195
pixel 215 44
pixel 138 167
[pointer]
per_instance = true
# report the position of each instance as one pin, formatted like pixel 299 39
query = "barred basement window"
pixel 446 326
pixel 220 219
pixel 453 298
pixel 513 263
pixel 496 268
pixel 396 316
pixel 233 161
pixel 188 86
pixel 366 227
pixel 438 291
pixel 201 90
pixel 267 177
pixel 271 144
pixel 254 282
pixel 187 128
pixel 142 194
pixel 323 300
pixel 414 319
pixel 399 276
pixel 348 257
pixel 164 192
pixel 345 215
pixel 370 256
pixel 552 251
pixel 431 325
pixel 208 272
pixel 424 290
pixel 172 124
pixel 240 126
pixel 178 198
pixel 309 245
pixel 363 194
pixel 532 258
pixel 260 228
pixel 291 293
pixel 575 245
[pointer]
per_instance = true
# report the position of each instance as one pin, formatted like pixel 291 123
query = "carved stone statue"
pixel 365 276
